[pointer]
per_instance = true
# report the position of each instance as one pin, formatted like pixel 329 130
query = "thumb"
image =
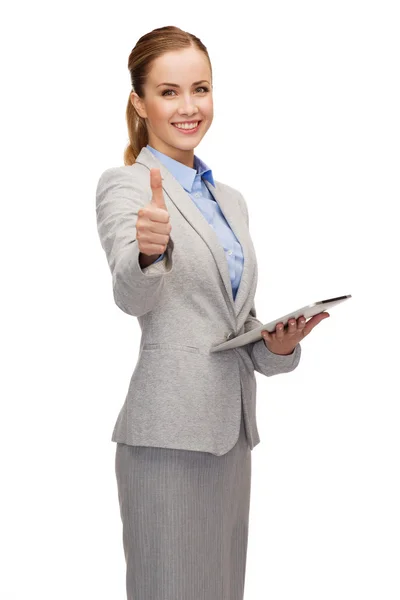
pixel 157 189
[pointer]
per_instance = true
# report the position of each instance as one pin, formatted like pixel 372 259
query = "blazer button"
pixel 230 335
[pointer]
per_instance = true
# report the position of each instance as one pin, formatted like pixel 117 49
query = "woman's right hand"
pixel 152 225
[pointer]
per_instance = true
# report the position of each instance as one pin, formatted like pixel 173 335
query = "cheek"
pixel 208 109
pixel 159 113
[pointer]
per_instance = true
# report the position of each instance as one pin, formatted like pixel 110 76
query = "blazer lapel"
pixel 232 213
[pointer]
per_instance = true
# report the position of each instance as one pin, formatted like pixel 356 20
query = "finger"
pixel 156 188
pixel 318 318
pixel 266 335
pixel 280 331
pixel 315 321
pixel 301 323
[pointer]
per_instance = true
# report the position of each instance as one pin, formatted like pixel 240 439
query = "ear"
pixel 139 105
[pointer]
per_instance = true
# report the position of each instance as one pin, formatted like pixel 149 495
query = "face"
pixel 190 99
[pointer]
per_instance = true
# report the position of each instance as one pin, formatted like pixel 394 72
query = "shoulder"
pixel 127 180
pixel 135 173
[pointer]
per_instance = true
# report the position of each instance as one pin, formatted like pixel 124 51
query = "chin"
pixel 186 144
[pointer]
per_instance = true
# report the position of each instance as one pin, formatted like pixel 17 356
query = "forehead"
pixel 181 67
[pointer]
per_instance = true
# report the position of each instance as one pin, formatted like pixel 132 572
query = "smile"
pixel 187 127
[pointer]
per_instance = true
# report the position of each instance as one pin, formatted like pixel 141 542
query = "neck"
pixel 186 157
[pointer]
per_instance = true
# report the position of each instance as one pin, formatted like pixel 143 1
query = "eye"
pixel 165 92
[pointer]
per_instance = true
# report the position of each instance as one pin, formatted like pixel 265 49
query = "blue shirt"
pixel 192 182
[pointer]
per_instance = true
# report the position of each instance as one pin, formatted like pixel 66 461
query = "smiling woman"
pixel 188 424
pixel 171 104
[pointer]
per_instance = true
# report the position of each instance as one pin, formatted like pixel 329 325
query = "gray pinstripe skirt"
pixel 185 518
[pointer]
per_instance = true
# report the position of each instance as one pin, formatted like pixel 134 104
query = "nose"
pixel 188 107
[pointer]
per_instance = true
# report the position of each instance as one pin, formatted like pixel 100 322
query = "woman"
pixel 178 245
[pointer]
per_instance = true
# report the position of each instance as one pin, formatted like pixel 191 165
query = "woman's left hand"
pixel 284 339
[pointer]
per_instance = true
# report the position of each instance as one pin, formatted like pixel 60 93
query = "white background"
pixel 306 126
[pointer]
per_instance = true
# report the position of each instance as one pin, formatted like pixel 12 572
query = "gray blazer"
pixel 180 395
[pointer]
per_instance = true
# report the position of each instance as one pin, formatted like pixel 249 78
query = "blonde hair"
pixel 149 47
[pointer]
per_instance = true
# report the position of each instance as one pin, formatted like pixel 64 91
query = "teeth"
pixel 186 125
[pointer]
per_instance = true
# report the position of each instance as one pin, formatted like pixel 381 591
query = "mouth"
pixel 187 128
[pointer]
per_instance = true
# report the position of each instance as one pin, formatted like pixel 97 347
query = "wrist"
pixel 279 353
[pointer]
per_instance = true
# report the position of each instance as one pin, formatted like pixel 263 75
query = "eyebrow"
pixel 176 85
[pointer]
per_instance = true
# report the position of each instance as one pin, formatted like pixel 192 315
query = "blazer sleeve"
pixel 118 199
pixel 266 362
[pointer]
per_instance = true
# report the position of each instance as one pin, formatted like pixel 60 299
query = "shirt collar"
pixel 183 174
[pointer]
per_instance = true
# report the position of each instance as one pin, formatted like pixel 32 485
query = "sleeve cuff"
pixel 269 363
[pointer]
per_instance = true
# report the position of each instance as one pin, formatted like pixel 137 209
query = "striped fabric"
pixel 185 521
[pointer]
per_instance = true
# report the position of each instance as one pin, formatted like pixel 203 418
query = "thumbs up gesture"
pixel 152 225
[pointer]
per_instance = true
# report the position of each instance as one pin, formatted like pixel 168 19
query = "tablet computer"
pixel 255 334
